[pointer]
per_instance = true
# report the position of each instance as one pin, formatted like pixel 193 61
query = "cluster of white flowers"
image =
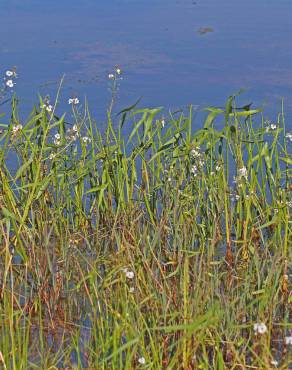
pixel 9 78
pixel 117 72
pixel 289 136
pixel 260 328
pixel 273 126
pixel 73 101
pixel 47 106
pixel 234 196
pixel 194 170
pixel 242 172
pixel 217 169
pixel 73 133
pixel 86 139
pixel 270 125
pixel 16 129
pixel 195 152
pixel 201 162
pixel 57 139
pixel 197 157
pixel 52 156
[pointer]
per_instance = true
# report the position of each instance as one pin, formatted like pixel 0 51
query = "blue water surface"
pixel 157 44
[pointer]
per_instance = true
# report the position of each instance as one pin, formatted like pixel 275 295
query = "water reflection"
pixel 165 59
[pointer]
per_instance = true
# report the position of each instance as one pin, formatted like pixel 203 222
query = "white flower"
pixel 260 328
pixel 242 172
pixel 273 126
pixel 163 122
pixel 194 170
pixel 73 101
pixel 16 128
pixel 118 70
pixel 75 128
pixel 9 83
pixel 234 197
pixel 9 73
pixel 218 168
pixel 196 152
pixel 57 139
pixel 86 139
pixel 129 274
pixel 52 156
pixel 132 289
pixel 289 136
pixel 142 361
pixel 288 340
pixel 47 106
pixel 274 363
pixel 111 76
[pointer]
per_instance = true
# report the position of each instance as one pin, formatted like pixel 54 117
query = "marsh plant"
pixel 145 245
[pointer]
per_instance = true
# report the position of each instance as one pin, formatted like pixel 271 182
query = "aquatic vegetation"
pixel 147 244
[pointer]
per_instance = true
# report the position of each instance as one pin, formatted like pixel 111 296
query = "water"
pixel 157 43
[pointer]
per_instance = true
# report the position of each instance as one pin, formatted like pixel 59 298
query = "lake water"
pixel 158 45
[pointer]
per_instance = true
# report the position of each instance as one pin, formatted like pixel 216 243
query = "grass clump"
pixel 147 244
